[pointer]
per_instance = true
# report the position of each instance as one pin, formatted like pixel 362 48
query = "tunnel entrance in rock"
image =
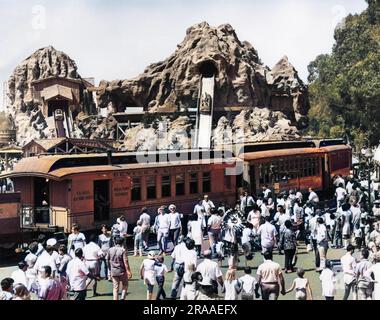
pixel 207 69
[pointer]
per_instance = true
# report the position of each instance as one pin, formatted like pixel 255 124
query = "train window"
pixel 206 182
pixel 165 186
pixel 227 182
pixel 180 184
pixel 136 189
pixel 193 182
pixel 151 187
pixel 304 167
pixel 310 169
pixel 261 170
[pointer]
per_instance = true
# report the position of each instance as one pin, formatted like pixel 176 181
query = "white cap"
pixel 151 254
pixel 51 242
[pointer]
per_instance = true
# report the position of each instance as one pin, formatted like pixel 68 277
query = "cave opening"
pixel 207 69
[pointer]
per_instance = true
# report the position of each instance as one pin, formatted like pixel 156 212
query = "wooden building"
pixel 58 93
pixel 66 145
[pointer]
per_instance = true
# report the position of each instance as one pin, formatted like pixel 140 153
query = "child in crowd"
pixel 358 237
pixel 190 280
pixel 161 269
pixel 232 286
pixel 138 238
pixel 328 281
pixel 338 236
pixel 249 285
pixel 148 273
pixel 302 286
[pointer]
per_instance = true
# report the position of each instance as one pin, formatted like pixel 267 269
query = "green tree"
pixel 345 85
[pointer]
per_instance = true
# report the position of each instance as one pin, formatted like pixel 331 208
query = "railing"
pixel 43 217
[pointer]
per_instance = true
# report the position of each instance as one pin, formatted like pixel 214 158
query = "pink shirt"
pixel 50 289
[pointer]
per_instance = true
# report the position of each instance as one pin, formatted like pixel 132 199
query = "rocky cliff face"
pixel 272 103
pixel 26 113
pixel 242 80
pixel 44 63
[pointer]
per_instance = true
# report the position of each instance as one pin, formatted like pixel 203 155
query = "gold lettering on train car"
pixel 83 195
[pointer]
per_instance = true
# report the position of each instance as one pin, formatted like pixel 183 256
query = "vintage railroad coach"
pixel 57 191
pixel 297 167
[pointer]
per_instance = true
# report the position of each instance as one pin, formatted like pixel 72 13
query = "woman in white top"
pixel 75 240
pixel 232 286
pixel 302 286
pixel 195 232
pixel 148 273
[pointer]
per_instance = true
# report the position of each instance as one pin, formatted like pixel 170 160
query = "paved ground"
pixel 137 289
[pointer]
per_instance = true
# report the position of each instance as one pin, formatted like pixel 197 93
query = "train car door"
pixel 41 201
pixel 325 174
pixel 101 200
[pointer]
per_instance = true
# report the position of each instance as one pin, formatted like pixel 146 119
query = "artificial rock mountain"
pixel 241 79
pixel 273 103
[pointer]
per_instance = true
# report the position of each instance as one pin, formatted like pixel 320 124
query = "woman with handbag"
pixel 289 245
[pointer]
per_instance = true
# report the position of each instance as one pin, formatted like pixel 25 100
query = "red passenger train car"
pixel 93 189
pixel 295 165
pixel 54 191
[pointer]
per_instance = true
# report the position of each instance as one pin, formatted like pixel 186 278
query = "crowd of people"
pixel 213 234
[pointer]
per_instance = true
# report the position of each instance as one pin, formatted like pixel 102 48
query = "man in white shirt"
pixel 250 285
pixel 199 209
pixel 162 225
pixel 312 227
pixel 322 243
pixel 270 278
pixel 46 259
pixel 349 266
pixel 6 289
pixel 280 217
pixel 339 181
pixel 49 288
pixel 19 276
pixel 214 224
pixel 313 197
pixel 211 269
pixel 340 194
pixel 207 205
pixel 268 234
pixel 92 254
pixel 77 274
pixel 246 203
pixel 183 256
pixel 145 224
pixel 266 192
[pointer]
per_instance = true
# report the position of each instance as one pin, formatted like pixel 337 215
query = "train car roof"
pixel 51 167
pixel 249 156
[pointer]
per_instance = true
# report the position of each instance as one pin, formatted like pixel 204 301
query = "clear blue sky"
pixel 117 39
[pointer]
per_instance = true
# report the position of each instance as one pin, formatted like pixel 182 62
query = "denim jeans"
pixel 176 281
pixel 174 235
pixel 161 291
pixel 162 239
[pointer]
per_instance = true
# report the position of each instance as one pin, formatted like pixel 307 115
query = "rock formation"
pixel 242 80
pixel 44 63
pixel 26 112
pixel 251 101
